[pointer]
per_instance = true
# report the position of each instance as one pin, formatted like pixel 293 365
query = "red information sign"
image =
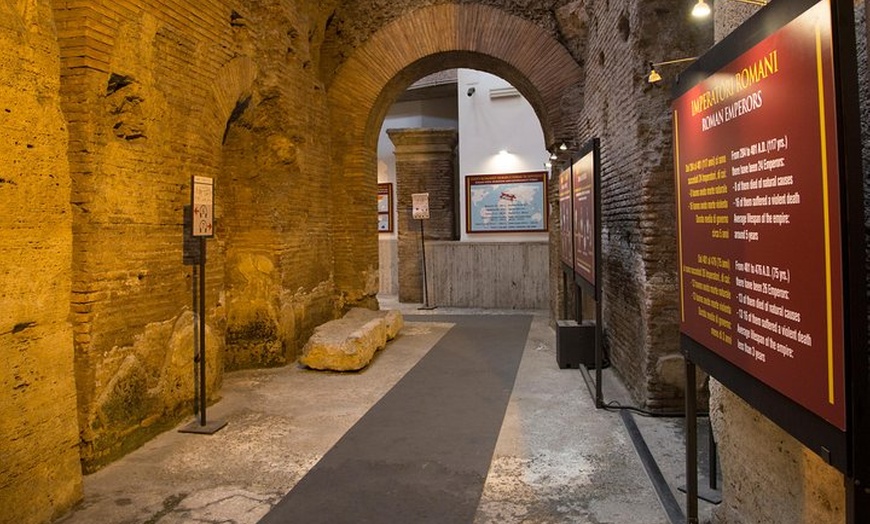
pixel 759 216
pixel 565 218
pixel 583 172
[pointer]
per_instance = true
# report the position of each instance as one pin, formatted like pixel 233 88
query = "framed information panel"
pixel 385 208
pixel 566 220
pixel 585 184
pixel 506 203
pixel 759 180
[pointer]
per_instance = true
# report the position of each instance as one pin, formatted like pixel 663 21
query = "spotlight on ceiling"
pixel 701 9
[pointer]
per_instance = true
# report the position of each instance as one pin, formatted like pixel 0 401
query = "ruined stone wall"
pixel 40 475
pixel 279 208
pixel 632 118
pixel 364 77
pixel 135 86
pixel 154 93
pixel 425 162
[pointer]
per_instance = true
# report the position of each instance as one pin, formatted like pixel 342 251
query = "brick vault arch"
pixel 425 41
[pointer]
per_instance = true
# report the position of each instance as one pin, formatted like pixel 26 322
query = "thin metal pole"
pixel 712 457
pixel 423 248
pixel 691 444
pixel 195 305
pixel 599 354
pixel 564 294
pixel 202 402
pixel 578 303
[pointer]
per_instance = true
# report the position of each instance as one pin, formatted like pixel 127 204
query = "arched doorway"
pixel 423 42
pixel 475 146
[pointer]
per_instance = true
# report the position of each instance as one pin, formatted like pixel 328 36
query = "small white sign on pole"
pixel 420 206
pixel 202 201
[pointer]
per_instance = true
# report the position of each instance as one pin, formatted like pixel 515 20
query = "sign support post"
pixel 420 211
pixel 202 227
pixel 691 442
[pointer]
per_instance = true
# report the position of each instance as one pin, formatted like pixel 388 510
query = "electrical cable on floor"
pixel 616 406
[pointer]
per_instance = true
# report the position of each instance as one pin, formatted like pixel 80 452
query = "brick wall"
pixel 155 92
pixel 632 119
pixel 40 474
pixel 371 74
pixel 425 163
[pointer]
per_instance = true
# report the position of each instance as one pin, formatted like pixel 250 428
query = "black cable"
pixel 616 406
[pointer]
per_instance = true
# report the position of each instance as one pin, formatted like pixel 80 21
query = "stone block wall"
pixel 632 119
pixel 136 84
pixel 278 213
pixel 40 473
pixel 154 93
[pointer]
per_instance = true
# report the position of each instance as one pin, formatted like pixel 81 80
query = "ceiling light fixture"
pixel 701 9
pixel 654 76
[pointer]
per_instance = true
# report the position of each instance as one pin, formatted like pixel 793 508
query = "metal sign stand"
pixel 420 211
pixel 202 226
pixel 691 443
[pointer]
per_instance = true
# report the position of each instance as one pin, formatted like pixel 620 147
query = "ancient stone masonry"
pixel 133 89
pixel 425 162
pixel 366 81
pixel 278 213
pixel 40 474
pixel 632 119
pixel 107 108
pixel 350 343
pixel 155 93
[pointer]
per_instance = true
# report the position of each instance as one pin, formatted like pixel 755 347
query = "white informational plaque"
pixel 202 201
pixel 420 206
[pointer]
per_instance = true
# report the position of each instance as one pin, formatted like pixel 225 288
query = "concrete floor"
pixel 557 459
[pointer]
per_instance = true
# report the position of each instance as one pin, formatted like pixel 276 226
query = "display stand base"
pixel 427 308
pixel 210 428
pixel 713 496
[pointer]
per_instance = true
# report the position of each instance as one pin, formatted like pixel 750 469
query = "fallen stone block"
pixel 350 343
pixel 392 318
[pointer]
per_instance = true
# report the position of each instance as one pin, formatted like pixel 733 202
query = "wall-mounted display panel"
pixel 385 208
pixel 585 181
pixel 566 220
pixel 506 203
pixel 761 245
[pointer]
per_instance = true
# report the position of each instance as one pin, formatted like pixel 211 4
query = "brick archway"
pixel 423 42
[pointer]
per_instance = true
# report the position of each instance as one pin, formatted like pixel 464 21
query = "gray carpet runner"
pixel 421 454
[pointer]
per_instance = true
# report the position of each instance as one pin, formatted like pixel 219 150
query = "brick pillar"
pixel 425 163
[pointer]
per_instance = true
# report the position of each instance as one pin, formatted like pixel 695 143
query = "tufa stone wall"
pixel 278 211
pixel 136 84
pixel 40 476
pixel 632 119
pixel 154 93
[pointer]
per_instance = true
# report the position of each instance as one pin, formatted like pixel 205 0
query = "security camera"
pixel 470 91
